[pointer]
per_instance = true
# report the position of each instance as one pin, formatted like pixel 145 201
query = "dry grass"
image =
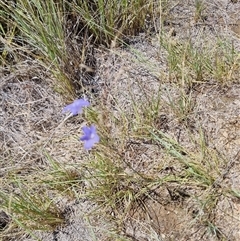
pixel 165 104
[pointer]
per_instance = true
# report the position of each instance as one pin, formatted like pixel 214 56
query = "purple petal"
pixel 92 129
pixel 84 138
pixel 81 102
pixel 90 137
pixel 96 138
pixel 76 107
pixel 89 144
pixel 87 132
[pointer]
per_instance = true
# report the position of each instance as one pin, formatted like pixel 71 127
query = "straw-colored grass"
pixel 157 148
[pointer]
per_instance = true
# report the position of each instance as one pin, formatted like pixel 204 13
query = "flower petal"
pixel 90 136
pixel 76 107
pixel 89 144
pixel 96 138
pixel 81 102
pixel 87 131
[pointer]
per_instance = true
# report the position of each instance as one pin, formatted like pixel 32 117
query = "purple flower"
pixel 90 137
pixel 76 107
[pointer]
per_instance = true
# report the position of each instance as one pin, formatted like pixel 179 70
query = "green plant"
pixel 111 20
pixel 199 5
pixel 40 29
pixel 190 64
pixel 140 157
pixel 202 167
pixel 31 209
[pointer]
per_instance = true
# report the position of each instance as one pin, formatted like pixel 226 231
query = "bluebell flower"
pixel 90 137
pixel 76 107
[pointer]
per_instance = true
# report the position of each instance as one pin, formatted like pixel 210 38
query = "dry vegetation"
pixel 163 79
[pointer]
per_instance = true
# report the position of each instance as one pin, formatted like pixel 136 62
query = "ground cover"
pixel 162 80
